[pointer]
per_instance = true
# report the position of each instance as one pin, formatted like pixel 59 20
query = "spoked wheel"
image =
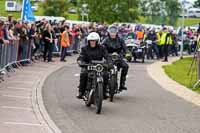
pixel 98 97
pixel 113 88
pixel 89 98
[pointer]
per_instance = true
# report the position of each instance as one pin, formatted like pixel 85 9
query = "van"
pixel 194 12
pixel 12 5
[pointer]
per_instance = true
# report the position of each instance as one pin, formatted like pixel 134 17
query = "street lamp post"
pixel 84 12
pixel 182 28
pixel 182 36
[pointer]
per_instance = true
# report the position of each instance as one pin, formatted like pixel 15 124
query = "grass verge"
pixel 178 71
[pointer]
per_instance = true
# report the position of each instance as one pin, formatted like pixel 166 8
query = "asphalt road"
pixel 144 108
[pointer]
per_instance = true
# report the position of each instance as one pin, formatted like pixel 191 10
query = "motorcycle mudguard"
pixel 90 97
pixel 99 79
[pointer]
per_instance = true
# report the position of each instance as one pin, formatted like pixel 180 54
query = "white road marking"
pixel 24 124
pixel 18 88
pixel 26 71
pixel 22 81
pixel 20 108
pixel 12 96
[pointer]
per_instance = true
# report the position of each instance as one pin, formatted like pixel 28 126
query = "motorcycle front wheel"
pixel 98 97
pixel 113 87
pixel 89 98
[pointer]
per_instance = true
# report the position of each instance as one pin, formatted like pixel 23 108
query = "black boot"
pixel 122 87
pixel 122 84
pixel 79 95
pixel 105 92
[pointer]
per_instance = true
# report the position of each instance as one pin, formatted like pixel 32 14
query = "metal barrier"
pixel 75 45
pixel 16 53
pixel 12 55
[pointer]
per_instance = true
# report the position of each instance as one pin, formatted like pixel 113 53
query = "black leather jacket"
pixel 88 54
pixel 115 45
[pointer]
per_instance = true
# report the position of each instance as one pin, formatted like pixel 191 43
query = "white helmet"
pixel 93 36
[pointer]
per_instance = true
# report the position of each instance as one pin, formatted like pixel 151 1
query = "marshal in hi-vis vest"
pixel 163 38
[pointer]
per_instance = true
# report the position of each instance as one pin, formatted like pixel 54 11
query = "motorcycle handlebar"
pixel 93 63
pixel 98 62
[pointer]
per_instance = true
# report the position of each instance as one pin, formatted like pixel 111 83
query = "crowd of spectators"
pixel 41 39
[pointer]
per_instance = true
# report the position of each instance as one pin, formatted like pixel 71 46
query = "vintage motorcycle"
pixel 113 76
pixel 94 89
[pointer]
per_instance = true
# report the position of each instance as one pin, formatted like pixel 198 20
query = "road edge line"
pixel 38 103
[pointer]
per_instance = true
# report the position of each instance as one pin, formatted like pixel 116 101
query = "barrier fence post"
pixel 1 56
pixel 17 54
pixel 15 58
pixel 29 56
pixel 1 68
pixel 10 64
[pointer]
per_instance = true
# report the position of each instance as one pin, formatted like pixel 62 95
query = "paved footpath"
pixel 157 73
pixel 19 109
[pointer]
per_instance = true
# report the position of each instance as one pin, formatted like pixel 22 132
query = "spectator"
pixel 48 43
pixel 77 37
pixel 23 43
pixel 198 31
pixel 33 43
pixel 65 43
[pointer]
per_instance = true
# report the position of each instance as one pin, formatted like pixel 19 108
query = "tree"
pixel 197 3
pixel 160 11
pixel 173 9
pixel 55 8
pixel 112 10
pixel 74 2
pixel 153 11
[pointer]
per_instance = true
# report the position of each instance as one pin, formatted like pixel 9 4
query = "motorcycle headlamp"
pixel 99 68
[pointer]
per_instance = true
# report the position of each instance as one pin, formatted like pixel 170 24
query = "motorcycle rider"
pixel 114 44
pixel 153 37
pixel 92 51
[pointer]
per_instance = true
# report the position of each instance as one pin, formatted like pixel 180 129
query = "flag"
pixel 27 12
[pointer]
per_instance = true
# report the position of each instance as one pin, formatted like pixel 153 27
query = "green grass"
pixel 17 15
pixel 73 16
pixel 189 21
pixel 178 72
